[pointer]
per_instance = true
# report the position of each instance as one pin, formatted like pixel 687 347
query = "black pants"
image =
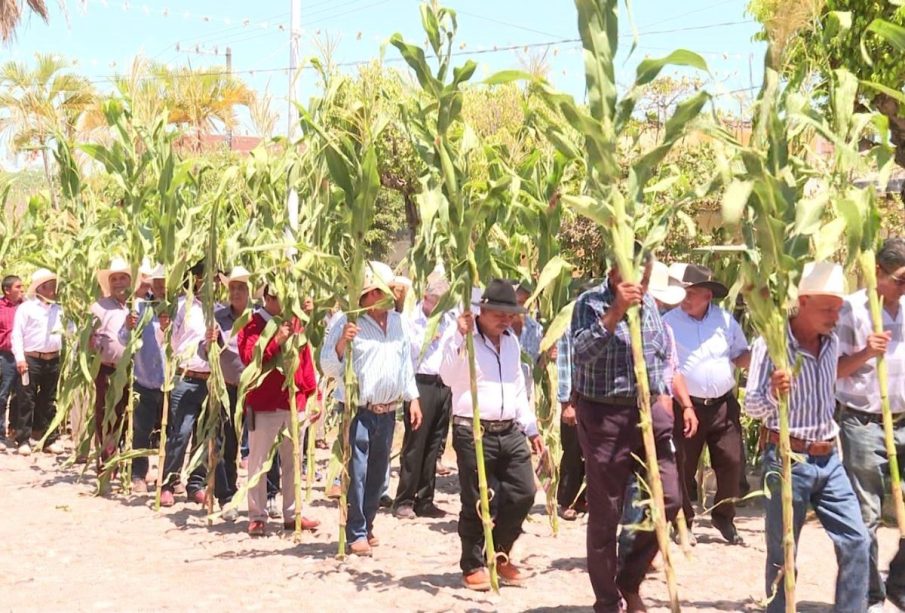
pixel 421 447
pixel 507 462
pixel 38 403
pixel 571 468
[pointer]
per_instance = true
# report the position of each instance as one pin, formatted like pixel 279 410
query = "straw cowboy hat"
pixel 148 272
pixel 377 276
pixel 500 296
pixel 238 273
pixel 39 278
pixel 401 281
pixel 692 275
pixel 822 279
pixel 117 265
pixel 664 288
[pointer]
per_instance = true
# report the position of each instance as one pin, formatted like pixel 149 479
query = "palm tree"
pixel 40 103
pixel 11 14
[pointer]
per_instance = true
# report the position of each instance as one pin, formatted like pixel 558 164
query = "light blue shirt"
pixel 382 362
pixel 147 362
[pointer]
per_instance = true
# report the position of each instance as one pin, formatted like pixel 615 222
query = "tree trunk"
pixel 889 107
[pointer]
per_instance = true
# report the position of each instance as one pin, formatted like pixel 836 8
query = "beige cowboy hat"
pixel 117 265
pixel 663 287
pixel 377 276
pixel 39 278
pixel 148 272
pixel 238 273
pixel 401 281
pixel 822 279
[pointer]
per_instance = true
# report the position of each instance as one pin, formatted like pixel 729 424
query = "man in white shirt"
pixel 188 395
pixel 37 341
pixel 858 395
pixel 421 447
pixel 711 345
pixel 506 419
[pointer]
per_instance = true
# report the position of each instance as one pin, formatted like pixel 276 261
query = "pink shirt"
pixel 110 316
pixel 7 316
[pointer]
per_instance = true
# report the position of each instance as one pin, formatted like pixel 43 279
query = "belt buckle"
pixel 380 409
pixel 821 448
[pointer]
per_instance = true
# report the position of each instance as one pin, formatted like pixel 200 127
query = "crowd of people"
pixel 411 363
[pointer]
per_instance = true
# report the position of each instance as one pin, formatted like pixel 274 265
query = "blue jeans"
pixel 9 385
pixel 864 453
pixel 372 438
pixel 186 399
pixel 822 483
pixel 150 404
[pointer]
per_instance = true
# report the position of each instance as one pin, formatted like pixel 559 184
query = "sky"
pixel 103 36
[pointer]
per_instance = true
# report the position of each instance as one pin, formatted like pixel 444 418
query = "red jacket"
pixel 272 394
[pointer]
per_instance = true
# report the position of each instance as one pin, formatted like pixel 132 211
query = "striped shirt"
pixel 812 400
pixel 7 315
pixel 861 390
pixel 564 367
pixel 531 337
pixel 37 326
pixel 382 362
pixel 602 363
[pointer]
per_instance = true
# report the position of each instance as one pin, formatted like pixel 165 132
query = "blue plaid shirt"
pixel 602 364
pixel 564 367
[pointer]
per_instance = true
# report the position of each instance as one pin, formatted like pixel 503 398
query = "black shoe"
pixel 430 510
pixel 386 502
pixel 727 528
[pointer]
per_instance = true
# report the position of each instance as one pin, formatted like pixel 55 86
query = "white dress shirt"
pixel 500 381
pixel 706 349
pixel 188 332
pixel 428 363
pixel 37 326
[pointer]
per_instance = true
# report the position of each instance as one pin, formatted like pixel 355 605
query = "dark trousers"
pixel 507 463
pixel 719 429
pixel 610 438
pixel 107 428
pixel 571 468
pixel 146 414
pixel 38 403
pixel 226 473
pixel 9 386
pixel 421 447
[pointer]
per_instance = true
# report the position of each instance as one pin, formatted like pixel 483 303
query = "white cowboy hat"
pixel 148 272
pixel 39 278
pixel 401 281
pixel 822 279
pixel 117 265
pixel 238 273
pixel 663 287
pixel 377 275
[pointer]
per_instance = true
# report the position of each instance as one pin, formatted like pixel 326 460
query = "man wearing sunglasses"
pixel 858 395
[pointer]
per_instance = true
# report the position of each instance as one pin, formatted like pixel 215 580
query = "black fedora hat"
pixel 500 296
pixel 701 276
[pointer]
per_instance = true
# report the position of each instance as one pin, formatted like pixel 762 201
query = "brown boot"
pixel 477 580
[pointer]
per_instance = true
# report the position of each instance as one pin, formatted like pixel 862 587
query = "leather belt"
pixel 709 402
pixel 43 355
pixel 876 418
pixel 197 375
pixel 381 409
pixel 798 445
pixel 424 378
pixel 491 426
pixel 619 401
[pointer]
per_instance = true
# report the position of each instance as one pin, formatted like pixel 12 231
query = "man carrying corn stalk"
pixel 36 342
pixel 710 345
pixel 225 317
pixel 818 477
pixel 382 361
pixel 421 448
pixel 506 418
pixel 606 401
pixel 110 313
pixel 147 367
pixel 9 378
pixel 267 412
pixel 858 394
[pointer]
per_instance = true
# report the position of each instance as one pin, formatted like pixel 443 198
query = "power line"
pixel 506 23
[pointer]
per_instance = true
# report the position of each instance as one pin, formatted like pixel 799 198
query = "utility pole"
pixel 229 75
pixel 292 200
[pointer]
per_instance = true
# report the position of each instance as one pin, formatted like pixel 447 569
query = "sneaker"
pixel 272 511
pixel 56 448
pixel 509 574
pixel 230 514
pixel 24 449
pixel 139 486
pixel 404 512
pixel 477 580
pixel 360 548
pixel 167 499
pixel 257 528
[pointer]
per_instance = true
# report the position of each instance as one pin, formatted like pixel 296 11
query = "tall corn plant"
pixel 465 191
pixel 616 201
